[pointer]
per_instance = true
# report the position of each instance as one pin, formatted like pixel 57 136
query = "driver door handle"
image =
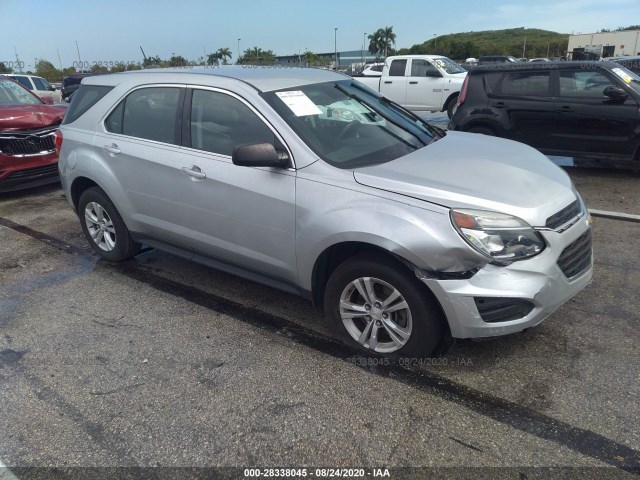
pixel 113 148
pixel 413 83
pixel 194 172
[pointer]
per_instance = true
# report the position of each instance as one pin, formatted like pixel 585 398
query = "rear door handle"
pixel 387 81
pixel 113 148
pixel 500 105
pixel 413 83
pixel 566 108
pixel 194 172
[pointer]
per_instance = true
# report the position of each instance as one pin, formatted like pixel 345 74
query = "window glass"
pixel 220 122
pixel 397 68
pixel 377 68
pixel 85 98
pixel 13 94
pixel 40 83
pixel 148 113
pixel 24 81
pixel 422 68
pixel 525 84
pixel 583 83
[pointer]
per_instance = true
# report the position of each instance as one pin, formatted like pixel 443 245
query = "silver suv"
pixel 312 183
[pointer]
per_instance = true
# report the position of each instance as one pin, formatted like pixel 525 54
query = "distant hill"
pixel 494 42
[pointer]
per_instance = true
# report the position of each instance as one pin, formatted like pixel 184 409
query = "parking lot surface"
pixel 161 362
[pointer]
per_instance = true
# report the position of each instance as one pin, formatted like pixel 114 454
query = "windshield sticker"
pixel 299 103
pixel 622 74
pixel 439 63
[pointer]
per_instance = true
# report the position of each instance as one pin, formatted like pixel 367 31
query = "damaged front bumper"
pixel 498 300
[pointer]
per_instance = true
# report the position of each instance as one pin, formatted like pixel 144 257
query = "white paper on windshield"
pixel 622 74
pixel 299 103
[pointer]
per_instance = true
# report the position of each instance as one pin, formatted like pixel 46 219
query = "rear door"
pixel 587 121
pixel 394 85
pixel 424 86
pixel 523 101
pixel 139 145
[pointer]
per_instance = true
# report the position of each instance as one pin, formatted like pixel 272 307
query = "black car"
pixel 497 59
pixel 585 110
pixel 70 84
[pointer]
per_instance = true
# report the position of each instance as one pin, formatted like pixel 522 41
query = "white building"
pixel 607 44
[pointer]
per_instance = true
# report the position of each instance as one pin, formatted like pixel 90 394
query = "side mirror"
pixel 615 93
pixel 259 155
pixel 47 100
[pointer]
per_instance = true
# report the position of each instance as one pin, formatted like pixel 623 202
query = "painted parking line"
pixel 627 217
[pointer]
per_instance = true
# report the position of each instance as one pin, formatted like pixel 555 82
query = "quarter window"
pixel 528 84
pixel 40 83
pixel 220 122
pixel 583 83
pixel 148 113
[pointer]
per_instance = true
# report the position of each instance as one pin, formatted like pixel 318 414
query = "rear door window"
pixel 23 80
pixel 525 84
pixel 150 113
pixel 397 68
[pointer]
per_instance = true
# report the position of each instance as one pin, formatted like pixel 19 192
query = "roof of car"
pixel 558 65
pixel 262 78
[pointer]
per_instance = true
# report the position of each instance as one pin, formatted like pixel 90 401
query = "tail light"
pixel 463 92
pixel 58 139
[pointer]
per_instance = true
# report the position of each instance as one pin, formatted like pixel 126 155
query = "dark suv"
pixel 584 110
pixel 71 83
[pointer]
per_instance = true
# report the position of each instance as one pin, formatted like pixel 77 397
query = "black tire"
pixel 451 108
pixel 483 131
pixel 116 241
pixel 427 331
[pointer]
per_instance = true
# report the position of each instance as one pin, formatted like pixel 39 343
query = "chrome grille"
pixel 37 142
pixel 576 257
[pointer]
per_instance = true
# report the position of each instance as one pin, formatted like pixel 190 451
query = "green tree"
pixel 257 56
pixel 178 61
pixel 388 39
pixel 213 58
pixel 376 45
pixel 152 62
pixel 46 70
pixel 99 69
pixel 224 54
pixel 4 68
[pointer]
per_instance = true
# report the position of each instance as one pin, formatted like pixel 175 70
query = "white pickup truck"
pixel 420 82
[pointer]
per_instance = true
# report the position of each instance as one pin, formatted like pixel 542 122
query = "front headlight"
pixel 503 238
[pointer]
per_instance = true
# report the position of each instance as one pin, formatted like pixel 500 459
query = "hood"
pixel 469 170
pixel 26 117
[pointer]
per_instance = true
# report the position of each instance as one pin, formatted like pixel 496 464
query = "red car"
pixel 27 144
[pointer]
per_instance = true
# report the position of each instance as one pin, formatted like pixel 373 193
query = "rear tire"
pixel 377 306
pixel 104 228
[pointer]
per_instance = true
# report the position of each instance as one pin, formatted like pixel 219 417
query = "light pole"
pixel 364 40
pixel 335 46
pixel 79 59
pixel 238 50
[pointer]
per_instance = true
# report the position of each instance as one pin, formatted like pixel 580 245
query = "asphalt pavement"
pixel 159 362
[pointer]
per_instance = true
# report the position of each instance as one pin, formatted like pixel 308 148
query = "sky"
pixel 114 30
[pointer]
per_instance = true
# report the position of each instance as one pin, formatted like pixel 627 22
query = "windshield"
pixel 349 125
pixel 13 94
pixel 627 76
pixel 448 65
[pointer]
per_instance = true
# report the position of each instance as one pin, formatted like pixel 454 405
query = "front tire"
pixel 377 306
pixel 104 228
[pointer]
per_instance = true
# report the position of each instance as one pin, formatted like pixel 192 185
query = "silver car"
pixel 310 182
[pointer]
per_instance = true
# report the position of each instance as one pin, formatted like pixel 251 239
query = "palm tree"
pixel 213 58
pixel 388 38
pixel 375 43
pixel 223 54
